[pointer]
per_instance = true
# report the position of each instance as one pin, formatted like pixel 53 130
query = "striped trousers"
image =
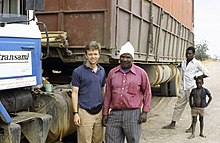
pixel 123 124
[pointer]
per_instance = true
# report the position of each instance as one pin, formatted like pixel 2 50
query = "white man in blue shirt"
pixel 88 81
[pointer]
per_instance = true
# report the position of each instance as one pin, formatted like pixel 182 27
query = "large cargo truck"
pixel 159 30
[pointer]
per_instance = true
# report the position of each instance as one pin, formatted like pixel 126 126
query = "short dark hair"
pixel 192 49
pixel 93 45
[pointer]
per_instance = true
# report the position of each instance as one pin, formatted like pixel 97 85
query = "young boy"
pixel 197 101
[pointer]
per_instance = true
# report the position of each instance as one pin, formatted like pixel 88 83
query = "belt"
pixel 94 110
pixel 125 109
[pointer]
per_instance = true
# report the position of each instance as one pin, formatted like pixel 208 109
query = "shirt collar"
pixel 193 60
pixel 132 69
pixel 98 66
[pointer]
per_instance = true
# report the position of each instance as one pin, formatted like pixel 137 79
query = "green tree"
pixel 201 51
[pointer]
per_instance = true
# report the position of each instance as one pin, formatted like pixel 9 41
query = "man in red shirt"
pixel 128 95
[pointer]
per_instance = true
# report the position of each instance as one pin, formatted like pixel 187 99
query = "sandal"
pixel 189 130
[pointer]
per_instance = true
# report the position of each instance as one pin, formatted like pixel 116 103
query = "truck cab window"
pixel 13 6
pixel 12 10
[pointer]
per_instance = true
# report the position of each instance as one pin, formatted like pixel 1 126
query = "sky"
pixel 207 24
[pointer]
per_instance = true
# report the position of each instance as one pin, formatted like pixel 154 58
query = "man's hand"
pixel 77 121
pixel 142 118
pixel 195 77
pixel 104 120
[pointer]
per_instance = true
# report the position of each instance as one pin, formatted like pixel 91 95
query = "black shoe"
pixel 168 127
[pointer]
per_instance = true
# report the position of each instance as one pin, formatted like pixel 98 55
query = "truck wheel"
pixel 171 88
pixel 174 84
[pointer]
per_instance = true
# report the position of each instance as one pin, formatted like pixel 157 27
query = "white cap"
pixel 127 48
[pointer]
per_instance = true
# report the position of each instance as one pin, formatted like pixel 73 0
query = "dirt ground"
pixel 161 114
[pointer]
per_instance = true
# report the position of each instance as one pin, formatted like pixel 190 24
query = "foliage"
pixel 201 51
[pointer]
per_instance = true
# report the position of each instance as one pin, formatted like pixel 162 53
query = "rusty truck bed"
pixel 159 31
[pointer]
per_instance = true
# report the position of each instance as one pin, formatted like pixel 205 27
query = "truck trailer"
pixel 40 46
pixel 160 31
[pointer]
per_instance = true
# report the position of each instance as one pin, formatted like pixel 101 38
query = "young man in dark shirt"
pixel 88 81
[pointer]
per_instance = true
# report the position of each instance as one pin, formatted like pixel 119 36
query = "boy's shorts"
pixel 197 111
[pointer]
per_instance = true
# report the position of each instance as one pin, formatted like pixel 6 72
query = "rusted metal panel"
pixel 90 25
pixel 53 5
pixel 83 20
pixel 182 10
pixel 160 31
pixel 84 4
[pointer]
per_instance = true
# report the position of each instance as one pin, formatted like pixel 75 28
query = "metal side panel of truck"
pixel 159 31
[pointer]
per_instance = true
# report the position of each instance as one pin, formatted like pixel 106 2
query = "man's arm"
pixel 146 90
pixel 203 76
pixel 203 69
pixel 103 91
pixel 75 98
pixel 75 91
pixel 106 91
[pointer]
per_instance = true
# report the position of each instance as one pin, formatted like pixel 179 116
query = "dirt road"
pixel 159 116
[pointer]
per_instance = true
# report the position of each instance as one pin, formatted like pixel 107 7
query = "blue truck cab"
pixel 20 56
pixel 20 71
pixel 20 51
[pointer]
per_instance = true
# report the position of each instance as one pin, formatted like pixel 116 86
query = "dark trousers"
pixel 121 124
